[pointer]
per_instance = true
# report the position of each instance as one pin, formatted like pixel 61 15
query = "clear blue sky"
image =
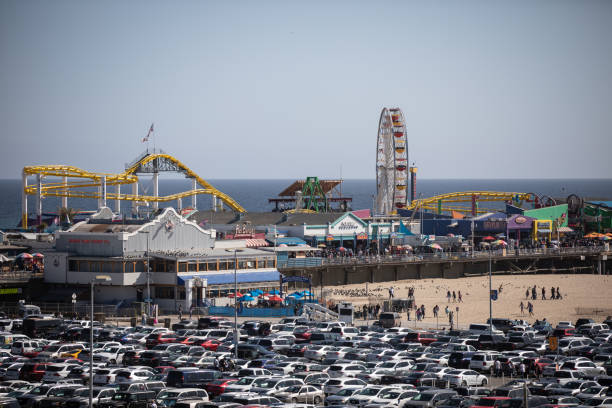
pixel 287 89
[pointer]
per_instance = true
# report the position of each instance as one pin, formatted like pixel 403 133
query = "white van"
pixel 483 328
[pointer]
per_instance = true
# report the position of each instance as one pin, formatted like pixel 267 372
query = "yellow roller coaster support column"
pixel 24 200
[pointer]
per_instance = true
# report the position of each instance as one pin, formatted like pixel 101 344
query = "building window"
pixel 107 267
pixel 212 266
pixel 202 266
pixel 181 293
pixel 242 264
pixel 182 267
pixel 222 265
pixel 73 266
pixel 250 264
pixel 193 267
pixel 164 292
pixel 230 265
pixel 94 266
pixel 139 266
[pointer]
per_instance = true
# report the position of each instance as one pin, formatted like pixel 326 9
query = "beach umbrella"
pixel 488 238
pixel 450 235
pixel 38 255
pixel 307 293
pixel 321 245
pixel 436 246
pixel 342 249
pixel 25 255
pixel 500 242
pixel 274 292
pixel 232 294
pixel 246 299
pixel 3 258
pixel 275 298
pixel 604 237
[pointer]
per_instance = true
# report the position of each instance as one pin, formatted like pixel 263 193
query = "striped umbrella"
pixel 25 255
pixel 38 255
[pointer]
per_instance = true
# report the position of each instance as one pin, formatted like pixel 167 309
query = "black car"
pixel 140 399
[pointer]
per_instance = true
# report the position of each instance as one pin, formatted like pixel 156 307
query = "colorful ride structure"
pixel 469 201
pixel 391 162
pixel 75 182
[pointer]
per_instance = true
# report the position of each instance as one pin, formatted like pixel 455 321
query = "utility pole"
pixel 490 300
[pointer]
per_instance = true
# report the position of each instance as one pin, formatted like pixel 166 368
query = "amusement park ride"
pixel 392 178
pixel 310 195
pixel 75 182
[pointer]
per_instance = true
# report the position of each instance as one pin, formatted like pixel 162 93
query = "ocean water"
pixel 253 194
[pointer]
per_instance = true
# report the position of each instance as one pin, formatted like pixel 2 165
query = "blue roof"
pixel 289 241
pixel 226 278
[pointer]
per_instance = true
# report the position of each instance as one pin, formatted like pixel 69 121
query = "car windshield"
pixel 423 397
pixel 347 392
pixel 39 390
pixel 593 402
pixel 592 390
pixel 244 381
pixel 84 392
pixel 369 391
pixel 265 383
pixel 294 388
pixel 390 395
pixel 61 392
pixel 167 394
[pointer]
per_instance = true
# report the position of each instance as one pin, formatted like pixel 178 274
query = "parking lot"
pixel 297 362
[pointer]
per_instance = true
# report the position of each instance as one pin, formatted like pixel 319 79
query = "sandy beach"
pixel 583 296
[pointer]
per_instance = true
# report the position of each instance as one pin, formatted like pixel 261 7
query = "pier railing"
pixel 19 276
pixel 436 257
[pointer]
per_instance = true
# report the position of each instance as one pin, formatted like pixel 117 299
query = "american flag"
pixel 146 138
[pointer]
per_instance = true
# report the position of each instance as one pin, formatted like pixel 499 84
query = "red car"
pixel 210 344
pixel 161 338
pixel 217 387
pixel 32 372
pixel 192 340
pixel 420 337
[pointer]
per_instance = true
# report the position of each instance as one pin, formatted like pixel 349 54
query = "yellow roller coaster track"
pixel 431 203
pixel 90 179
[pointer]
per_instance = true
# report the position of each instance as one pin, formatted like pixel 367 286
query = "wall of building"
pixel 169 232
pixel 90 244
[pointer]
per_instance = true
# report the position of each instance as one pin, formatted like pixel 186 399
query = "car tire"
pixel 483 382
pixel 464 384
pixel 317 400
pixel 294 400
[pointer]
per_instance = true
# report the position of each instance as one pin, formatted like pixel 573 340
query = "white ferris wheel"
pixel 391 162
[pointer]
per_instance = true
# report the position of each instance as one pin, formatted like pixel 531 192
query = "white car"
pixel 465 377
pixel 334 385
pixel 317 352
pixel 105 376
pixel 244 384
pixel 392 397
pixel 367 394
pixel 56 372
pixel 345 370
pixel 133 375
pixel 483 362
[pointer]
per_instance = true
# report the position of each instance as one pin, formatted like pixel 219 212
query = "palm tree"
pixel 68 214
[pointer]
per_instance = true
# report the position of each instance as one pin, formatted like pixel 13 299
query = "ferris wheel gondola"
pixel 391 162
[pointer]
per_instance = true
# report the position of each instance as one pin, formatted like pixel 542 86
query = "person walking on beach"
pixel 559 293
pixel 446 310
pixel 527 294
pixel 552 293
pixel 180 312
pixel 450 319
pixel 522 306
pixel 391 293
pixel 530 308
pixel 460 298
pixel 436 309
pixel 543 293
pixel 448 295
pixel 454 297
pixel 533 293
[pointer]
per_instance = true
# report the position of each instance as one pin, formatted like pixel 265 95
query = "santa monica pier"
pixel 169 251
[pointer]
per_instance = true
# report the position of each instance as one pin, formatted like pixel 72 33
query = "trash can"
pixel 150 321
pixel 167 322
pixel 133 321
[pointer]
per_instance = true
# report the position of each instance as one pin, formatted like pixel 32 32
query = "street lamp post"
pixel 235 301
pixel 148 299
pixel 97 279
pixel 490 300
